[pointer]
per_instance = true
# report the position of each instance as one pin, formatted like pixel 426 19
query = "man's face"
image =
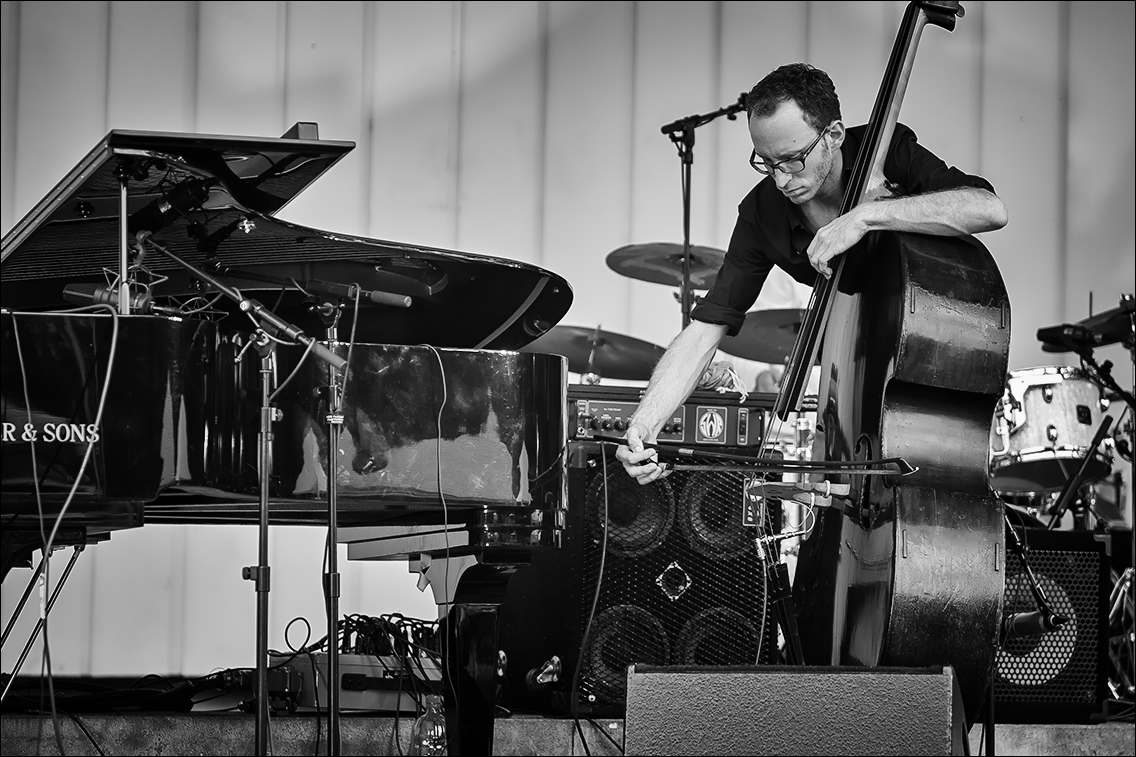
pixel 785 135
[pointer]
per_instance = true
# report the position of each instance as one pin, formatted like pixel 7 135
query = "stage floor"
pixel 233 734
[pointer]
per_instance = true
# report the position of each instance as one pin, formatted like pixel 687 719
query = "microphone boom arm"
pixel 248 305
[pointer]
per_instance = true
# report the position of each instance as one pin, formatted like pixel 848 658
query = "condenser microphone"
pixel 96 294
pixel 348 292
pixel 1031 624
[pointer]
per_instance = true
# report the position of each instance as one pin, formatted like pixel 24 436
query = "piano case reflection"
pixel 177 437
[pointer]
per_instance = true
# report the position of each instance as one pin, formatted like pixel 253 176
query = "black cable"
pixel 86 733
pixel 574 691
pixel 607 735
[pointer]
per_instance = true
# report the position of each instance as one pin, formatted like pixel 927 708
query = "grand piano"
pixel 124 406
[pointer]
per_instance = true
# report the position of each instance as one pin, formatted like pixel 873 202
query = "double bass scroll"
pixel 867 180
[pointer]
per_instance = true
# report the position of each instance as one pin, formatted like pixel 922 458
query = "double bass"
pixel 909 573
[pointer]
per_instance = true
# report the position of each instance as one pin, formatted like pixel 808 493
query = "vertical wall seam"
pixel 14 113
pixel 195 68
pixel 1065 108
pixel 109 5
pixel 542 129
pixel 980 111
pixel 714 184
pixel 282 61
pixel 457 29
pixel 366 143
pixel 808 46
pixel 628 304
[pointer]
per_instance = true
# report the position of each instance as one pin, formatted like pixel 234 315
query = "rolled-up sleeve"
pixel 739 281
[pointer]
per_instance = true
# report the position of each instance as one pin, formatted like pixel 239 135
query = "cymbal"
pixel 604 353
pixel 1111 326
pixel 661 263
pixel 767 336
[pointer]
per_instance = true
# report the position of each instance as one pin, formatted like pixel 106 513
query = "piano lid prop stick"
pixel 282 327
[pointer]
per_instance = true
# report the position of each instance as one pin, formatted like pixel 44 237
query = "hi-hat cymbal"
pixel 767 336
pixel 661 263
pixel 601 352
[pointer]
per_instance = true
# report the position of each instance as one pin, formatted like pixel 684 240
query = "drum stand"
pixel 1073 484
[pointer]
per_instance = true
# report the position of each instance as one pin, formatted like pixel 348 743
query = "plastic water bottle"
pixel 428 738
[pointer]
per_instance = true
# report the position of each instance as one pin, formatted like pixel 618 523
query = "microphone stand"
pixel 329 312
pixel 1039 597
pixel 260 575
pixel 681 132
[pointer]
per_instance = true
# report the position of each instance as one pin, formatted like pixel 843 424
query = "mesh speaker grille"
pixel 1058 676
pixel 682 582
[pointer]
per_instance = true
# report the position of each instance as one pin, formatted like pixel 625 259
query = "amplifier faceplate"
pixel 706 418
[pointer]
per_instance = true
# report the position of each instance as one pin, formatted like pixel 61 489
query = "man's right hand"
pixel 641 463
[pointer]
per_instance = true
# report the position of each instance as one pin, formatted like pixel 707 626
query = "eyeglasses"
pixel 793 165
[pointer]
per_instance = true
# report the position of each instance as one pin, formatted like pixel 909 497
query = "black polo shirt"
pixel 770 229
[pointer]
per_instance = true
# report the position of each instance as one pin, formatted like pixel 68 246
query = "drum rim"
pixel 1064 371
pixel 1039 452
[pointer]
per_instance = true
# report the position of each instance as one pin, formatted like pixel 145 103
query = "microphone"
pixel 185 197
pixel 96 294
pixel 347 291
pixel 1068 338
pixel 1031 624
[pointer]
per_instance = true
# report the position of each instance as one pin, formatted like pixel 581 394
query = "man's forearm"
pixel 951 212
pixel 677 373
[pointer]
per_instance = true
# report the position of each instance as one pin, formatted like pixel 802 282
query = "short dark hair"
pixel 806 85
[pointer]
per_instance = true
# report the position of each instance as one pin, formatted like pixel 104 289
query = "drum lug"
pixel 1051 432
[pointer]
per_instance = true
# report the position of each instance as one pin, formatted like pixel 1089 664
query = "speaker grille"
pixel 1058 676
pixel 682 581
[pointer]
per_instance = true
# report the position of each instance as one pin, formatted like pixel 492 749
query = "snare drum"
pixel 1042 430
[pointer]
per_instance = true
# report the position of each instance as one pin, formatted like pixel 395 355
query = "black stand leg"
pixel 471 684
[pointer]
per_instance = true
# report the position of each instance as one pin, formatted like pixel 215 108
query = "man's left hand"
pixel 833 239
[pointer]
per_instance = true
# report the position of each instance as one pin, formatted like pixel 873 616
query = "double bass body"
pixel 909 574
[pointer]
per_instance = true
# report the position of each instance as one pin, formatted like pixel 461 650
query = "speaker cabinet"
pixel 1060 676
pixel 780 710
pixel 680 582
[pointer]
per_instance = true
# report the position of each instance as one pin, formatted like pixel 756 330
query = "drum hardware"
pixel 1122 631
pixel 1074 483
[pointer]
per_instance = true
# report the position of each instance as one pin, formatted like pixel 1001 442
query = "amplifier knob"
pixel 620 424
pixel 605 424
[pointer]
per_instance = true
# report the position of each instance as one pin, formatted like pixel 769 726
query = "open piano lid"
pixel 211 200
